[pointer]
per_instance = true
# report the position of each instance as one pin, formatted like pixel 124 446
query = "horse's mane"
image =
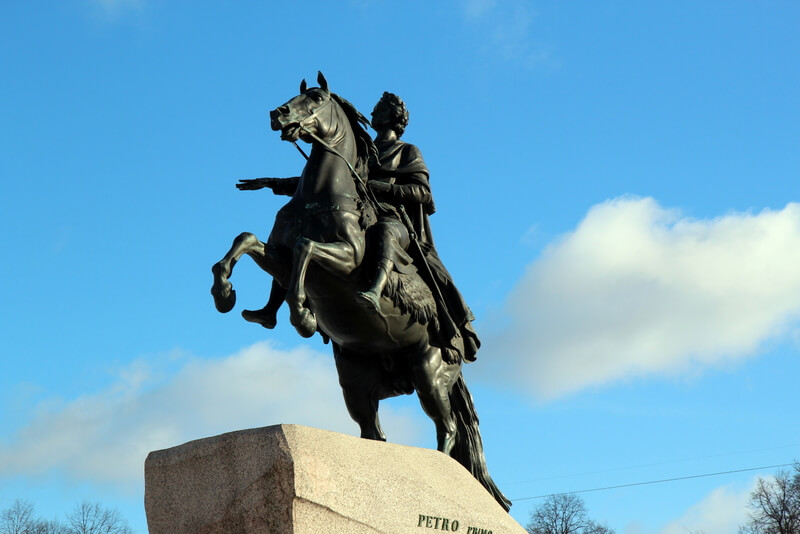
pixel 367 154
pixel 367 151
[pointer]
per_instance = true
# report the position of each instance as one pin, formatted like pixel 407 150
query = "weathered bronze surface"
pixel 352 255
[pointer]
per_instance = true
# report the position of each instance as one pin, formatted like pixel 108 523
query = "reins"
pixel 359 180
pixel 325 145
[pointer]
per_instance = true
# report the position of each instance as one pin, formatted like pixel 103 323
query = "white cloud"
pixel 640 290
pixel 105 437
pixel 720 512
pixel 506 30
pixel 474 9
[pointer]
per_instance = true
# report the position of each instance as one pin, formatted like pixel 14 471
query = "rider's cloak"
pixel 401 165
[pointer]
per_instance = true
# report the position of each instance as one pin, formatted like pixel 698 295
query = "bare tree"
pixel 563 514
pixel 88 518
pixel 597 528
pixel 17 519
pixel 775 505
pixel 41 526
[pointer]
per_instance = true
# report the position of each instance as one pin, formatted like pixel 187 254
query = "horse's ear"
pixel 323 83
pixel 303 86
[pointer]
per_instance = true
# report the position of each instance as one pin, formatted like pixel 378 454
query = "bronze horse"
pixel 315 250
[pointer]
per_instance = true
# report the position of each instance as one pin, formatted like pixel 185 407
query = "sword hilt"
pixel 407 221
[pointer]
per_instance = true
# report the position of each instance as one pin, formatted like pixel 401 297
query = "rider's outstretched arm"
pixel 279 186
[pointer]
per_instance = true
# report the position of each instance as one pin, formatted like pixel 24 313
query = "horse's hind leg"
pixel 364 411
pixel 433 379
pixel 355 376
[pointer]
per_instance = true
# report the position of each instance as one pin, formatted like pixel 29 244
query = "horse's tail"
pixel 468 450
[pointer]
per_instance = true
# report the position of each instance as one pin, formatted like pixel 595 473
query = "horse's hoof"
pixel 222 290
pixel 265 319
pixel 376 436
pixel 224 300
pixel 305 323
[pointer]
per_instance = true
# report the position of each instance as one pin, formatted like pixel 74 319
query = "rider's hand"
pixel 379 187
pixel 255 183
pixel 248 185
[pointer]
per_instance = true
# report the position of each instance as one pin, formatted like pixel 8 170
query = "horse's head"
pixel 310 111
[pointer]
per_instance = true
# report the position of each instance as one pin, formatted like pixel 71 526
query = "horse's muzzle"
pixel 280 118
pixel 275 120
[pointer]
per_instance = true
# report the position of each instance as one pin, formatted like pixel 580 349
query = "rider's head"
pixel 390 112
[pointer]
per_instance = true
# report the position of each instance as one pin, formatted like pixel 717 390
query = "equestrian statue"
pixel 352 255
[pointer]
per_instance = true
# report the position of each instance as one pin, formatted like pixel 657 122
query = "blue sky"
pixel 617 197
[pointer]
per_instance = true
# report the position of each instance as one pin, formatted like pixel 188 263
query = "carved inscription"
pixel 448 525
pixel 438 523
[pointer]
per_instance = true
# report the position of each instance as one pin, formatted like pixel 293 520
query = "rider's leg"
pixel 388 236
pixel 373 294
pixel 267 316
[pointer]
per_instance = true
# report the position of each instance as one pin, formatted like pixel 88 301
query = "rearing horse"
pixel 315 251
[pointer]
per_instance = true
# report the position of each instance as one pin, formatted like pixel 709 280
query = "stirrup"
pixel 371 298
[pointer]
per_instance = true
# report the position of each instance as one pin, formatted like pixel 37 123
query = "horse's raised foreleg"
pixel 338 257
pixel 266 256
pixel 433 379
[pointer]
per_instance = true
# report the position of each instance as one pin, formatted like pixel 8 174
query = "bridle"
pixel 361 183
pixel 302 125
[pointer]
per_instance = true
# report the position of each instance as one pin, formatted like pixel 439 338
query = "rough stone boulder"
pixel 289 479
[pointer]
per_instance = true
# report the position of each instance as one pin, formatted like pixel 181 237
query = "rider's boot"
pixel 267 316
pixel 373 294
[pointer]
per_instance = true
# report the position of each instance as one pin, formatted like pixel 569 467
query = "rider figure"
pixel 400 179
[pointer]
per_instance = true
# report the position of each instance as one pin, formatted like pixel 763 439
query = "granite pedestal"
pixel 290 479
